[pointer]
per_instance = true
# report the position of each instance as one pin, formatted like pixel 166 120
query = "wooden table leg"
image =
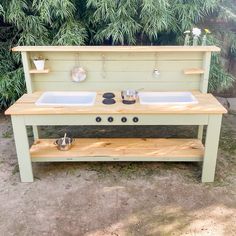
pixel 200 132
pixel 22 149
pixel 35 132
pixel 211 148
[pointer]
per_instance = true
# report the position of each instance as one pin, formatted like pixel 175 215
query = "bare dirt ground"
pixel 118 198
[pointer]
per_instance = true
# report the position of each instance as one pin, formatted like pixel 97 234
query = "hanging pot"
pixel 78 74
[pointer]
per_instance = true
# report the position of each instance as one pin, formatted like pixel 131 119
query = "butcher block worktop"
pixel 207 104
pixel 116 49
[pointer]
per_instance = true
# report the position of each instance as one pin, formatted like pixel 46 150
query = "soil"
pixel 95 199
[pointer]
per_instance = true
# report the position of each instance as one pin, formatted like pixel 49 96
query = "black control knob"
pixel 135 119
pixel 98 119
pixel 123 119
pixel 110 119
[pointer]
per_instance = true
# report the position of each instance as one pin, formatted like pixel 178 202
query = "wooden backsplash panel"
pixel 118 70
pixel 118 66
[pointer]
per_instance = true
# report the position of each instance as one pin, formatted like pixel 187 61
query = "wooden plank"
pixel 200 132
pixel 28 98
pixel 122 66
pixel 34 71
pixel 26 67
pixel 212 142
pixel 193 71
pixel 118 56
pixel 29 84
pixel 116 48
pixel 103 85
pixel 205 76
pixel 120 71
pixel 119 77
pixel 207 104
pixel 90 119
pixel 22 148
pixel 116 147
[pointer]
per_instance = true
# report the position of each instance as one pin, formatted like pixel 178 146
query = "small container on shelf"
pixel 39 63
pixel 64 144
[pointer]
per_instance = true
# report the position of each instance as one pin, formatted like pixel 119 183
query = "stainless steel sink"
pixel 166 98
pixel 67 99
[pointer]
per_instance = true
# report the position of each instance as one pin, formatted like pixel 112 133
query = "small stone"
pixel 232 104
pixel 68 186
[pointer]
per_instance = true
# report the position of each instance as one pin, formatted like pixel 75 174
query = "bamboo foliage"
pixel 109 22
pixel 218 76
pixel 70 33
pixel 115 21
pixel 155 17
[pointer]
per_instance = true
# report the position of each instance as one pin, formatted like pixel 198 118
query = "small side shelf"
pixel 120 149
pixel 193 71
pixel 34 71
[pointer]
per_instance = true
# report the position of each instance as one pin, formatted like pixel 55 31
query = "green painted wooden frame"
pixel 213 123
pixel 114 70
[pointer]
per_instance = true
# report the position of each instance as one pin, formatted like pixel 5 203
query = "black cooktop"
pixel 108 95
pixel 128 102
pixel 108 101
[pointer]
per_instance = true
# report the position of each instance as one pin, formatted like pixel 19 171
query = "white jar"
pixel 39 64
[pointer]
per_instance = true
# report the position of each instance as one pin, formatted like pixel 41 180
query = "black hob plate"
pixel 108 101
pixel 128 102
pixel 108 95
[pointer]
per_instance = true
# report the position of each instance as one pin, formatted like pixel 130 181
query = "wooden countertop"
pixel 116 49
pixel 207 104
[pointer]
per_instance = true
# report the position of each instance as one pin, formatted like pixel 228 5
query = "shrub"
pixel 125 22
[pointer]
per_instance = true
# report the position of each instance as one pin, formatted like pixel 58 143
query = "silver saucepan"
pixel 64 144
pixel 129 95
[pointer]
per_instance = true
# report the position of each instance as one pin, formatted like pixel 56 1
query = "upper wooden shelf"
pixel 34 71
pixel 116 49
pixel 193 71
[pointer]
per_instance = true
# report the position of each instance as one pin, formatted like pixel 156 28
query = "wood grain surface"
pixel 207 104
pixel 124 147
pixel 117 48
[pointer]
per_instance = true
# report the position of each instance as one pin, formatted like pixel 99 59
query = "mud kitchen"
pixel 82 85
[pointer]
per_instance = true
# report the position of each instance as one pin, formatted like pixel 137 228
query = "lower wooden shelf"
pixel 120 149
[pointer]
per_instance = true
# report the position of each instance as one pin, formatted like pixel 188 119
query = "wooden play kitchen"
pixel 172 86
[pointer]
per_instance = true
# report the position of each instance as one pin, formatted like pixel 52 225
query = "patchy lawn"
pixel 118 198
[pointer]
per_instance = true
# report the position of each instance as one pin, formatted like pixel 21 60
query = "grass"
pixel 15 169
pixel 228 140
pixel 7 134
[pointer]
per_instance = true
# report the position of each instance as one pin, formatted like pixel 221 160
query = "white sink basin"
pixel 66 99
pixel 166 98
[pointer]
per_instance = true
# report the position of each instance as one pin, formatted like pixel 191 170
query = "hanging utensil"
pixel 64 140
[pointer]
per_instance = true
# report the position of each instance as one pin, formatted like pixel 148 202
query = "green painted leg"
pixel 200 132
pixel 211 148
pixel 35 132
pixel 22 149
